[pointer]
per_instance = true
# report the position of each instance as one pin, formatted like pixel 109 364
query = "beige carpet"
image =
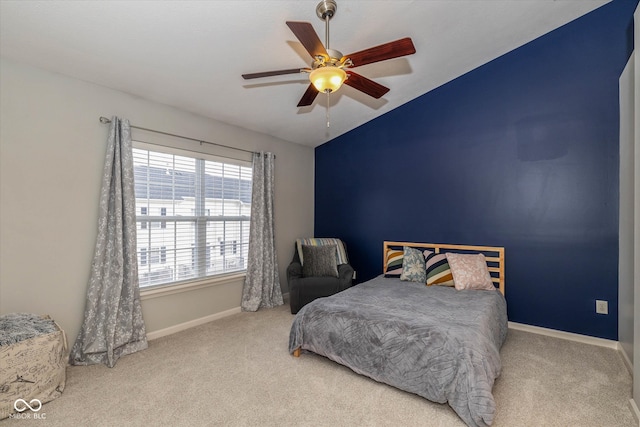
pixel 237 372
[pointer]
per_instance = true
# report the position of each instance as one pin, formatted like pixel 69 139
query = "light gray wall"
pixel 52 150
pixel 636 234
pixel 626 226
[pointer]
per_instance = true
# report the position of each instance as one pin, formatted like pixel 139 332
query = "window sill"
pixel 162 291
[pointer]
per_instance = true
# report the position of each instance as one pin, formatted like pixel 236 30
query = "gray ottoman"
pixel 33 362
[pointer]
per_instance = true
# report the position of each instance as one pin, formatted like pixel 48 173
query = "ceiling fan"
pixel 330 69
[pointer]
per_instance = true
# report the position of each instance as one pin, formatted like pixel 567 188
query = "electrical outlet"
pixel 602 307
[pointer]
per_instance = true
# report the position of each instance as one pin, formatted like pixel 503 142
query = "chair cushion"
pixel 320 261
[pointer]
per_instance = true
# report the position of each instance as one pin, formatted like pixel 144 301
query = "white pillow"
pixel 470 271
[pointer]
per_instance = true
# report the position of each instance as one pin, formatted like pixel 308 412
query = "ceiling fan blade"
pixel 308 37
pixel 365 85
pixel 273 73
pixel 383 52
pixel 309 96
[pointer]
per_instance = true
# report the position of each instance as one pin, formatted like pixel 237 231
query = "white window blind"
pixel 193 216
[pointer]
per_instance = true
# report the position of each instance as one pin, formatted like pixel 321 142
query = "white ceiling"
pixel 190 54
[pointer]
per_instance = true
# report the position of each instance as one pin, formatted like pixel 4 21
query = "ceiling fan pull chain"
pixel 328 106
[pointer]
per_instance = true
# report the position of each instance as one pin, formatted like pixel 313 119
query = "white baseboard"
pixel 626 360
pixel 197 322
pixel 565 335
pixel 192 323
pixel 634 410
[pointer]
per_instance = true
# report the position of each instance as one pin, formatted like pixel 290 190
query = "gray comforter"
pixel 434 341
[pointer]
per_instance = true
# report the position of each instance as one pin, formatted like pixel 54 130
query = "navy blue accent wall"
pixel 521 152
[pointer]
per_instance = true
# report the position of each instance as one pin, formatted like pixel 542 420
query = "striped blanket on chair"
pixel 341 254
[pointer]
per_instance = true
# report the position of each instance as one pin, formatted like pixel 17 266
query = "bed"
pixel 435 341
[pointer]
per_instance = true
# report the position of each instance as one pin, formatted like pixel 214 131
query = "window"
pixel 163 212
pixel 154 256
pixel 143 212
pixel 228 247
pixel 201 204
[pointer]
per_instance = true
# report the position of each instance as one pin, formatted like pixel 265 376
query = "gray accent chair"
pixel 303 290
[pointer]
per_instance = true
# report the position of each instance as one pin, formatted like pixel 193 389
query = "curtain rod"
pixel 105 120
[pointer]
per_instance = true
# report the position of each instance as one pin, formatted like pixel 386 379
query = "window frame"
pixel 154 290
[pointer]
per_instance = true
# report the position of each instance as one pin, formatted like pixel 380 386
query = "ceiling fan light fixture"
pixel 328 79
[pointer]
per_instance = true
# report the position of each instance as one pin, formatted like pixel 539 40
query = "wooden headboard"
pixel 493 254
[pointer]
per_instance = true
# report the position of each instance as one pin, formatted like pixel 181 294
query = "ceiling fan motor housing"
pixel 326 9
pixel 334 59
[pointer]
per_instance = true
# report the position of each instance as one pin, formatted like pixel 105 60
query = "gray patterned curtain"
pixel 262 284
pixel 113 325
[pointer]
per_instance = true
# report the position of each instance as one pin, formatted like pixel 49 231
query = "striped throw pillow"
pixel 438 270
pixel 393 263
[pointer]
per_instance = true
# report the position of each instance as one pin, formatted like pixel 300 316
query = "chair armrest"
pixel 345 273
pixel 294 271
